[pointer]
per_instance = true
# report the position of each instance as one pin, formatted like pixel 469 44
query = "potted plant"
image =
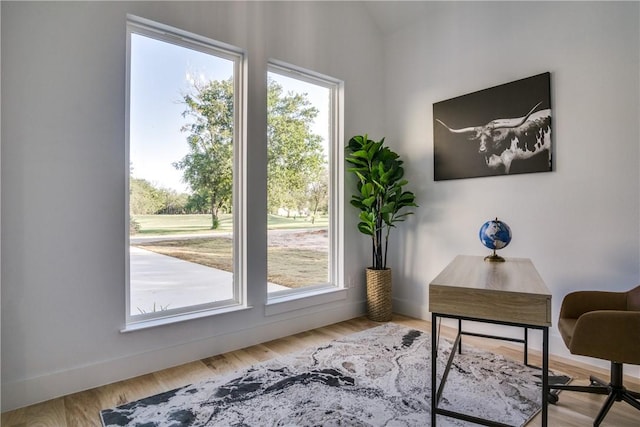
pixel 380 199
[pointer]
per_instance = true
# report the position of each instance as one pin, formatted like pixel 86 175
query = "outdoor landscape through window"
pixel 182 118
pixel 298 128
pixel 183 167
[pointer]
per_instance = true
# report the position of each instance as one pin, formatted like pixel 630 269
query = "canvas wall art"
pixel 503 130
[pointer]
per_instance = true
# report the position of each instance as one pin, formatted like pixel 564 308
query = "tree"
pixel 295 157
pixel 208 168
pixel 318 193
pixel 145 198
pixel 172 202
pixel 197 204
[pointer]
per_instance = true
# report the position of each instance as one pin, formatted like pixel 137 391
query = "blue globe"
pixel 495 234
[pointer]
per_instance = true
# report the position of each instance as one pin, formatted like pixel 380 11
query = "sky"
pixel 161 73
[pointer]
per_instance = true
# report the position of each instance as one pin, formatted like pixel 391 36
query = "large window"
pixel 184 127
pixel 303 182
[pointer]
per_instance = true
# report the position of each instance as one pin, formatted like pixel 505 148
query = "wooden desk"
pixel 508 293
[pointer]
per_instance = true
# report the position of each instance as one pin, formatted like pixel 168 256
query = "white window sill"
pixel 183 317
pixel 296 301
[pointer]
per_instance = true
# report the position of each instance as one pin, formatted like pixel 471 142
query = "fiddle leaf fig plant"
pixel 380 196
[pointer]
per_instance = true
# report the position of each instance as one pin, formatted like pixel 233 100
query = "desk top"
pixel 510 291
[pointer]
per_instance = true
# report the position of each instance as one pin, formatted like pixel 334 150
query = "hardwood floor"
pixel 81 409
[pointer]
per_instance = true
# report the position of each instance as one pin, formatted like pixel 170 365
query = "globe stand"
pixel 494 257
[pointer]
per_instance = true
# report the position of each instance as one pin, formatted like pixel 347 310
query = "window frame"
pixel 181 38
pixel 336 284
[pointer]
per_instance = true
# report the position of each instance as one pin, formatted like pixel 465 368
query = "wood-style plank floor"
pixel 81 409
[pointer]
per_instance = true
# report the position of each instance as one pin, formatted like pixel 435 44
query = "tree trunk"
pixel 214 214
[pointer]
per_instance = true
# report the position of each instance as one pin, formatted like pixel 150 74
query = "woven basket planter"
pixel 379 303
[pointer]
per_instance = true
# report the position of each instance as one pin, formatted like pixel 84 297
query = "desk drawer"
pixel 499 306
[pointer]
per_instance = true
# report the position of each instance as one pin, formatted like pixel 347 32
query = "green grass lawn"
pixel 160 225
pixel 287 266
pixel 275 222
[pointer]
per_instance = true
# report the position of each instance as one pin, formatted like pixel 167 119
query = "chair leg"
pixel 614 389
pixel 594 389
pixel 618 393
pixel 631 400
pixel 607 405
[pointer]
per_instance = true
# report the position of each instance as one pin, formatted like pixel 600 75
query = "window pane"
pixel 299 134
pixel 181 158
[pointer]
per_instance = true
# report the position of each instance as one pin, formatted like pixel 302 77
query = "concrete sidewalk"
pixel 170 282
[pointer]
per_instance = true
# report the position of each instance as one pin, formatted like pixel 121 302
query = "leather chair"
pixel 603 325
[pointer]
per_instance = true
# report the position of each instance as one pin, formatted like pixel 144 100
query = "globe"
pixel 495 235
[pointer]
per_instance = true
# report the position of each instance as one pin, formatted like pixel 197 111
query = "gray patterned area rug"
pixel 377 377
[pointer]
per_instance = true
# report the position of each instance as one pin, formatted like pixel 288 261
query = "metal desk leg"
pixel 545 375
pixel 460 333
pixel 434 357
pixel 526 346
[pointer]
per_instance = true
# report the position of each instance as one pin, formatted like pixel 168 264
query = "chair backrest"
pixel 633 299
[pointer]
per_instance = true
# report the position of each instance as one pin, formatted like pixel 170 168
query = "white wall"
pixel 580 223
pixel 63 178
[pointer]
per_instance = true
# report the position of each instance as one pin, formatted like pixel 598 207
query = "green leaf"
pixel 369 201
pixel 367 217
pixel 357 142
pixel 367 190
pixel 358 203
pixel 358 162
pixel 388 208
pixel 365 229
pixel 363 154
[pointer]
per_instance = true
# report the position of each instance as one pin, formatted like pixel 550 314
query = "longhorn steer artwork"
pixel 501 130
pixel 501 141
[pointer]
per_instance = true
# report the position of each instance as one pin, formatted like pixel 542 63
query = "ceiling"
pixel 393 15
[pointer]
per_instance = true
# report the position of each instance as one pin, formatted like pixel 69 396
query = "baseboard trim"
pixel 45 387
